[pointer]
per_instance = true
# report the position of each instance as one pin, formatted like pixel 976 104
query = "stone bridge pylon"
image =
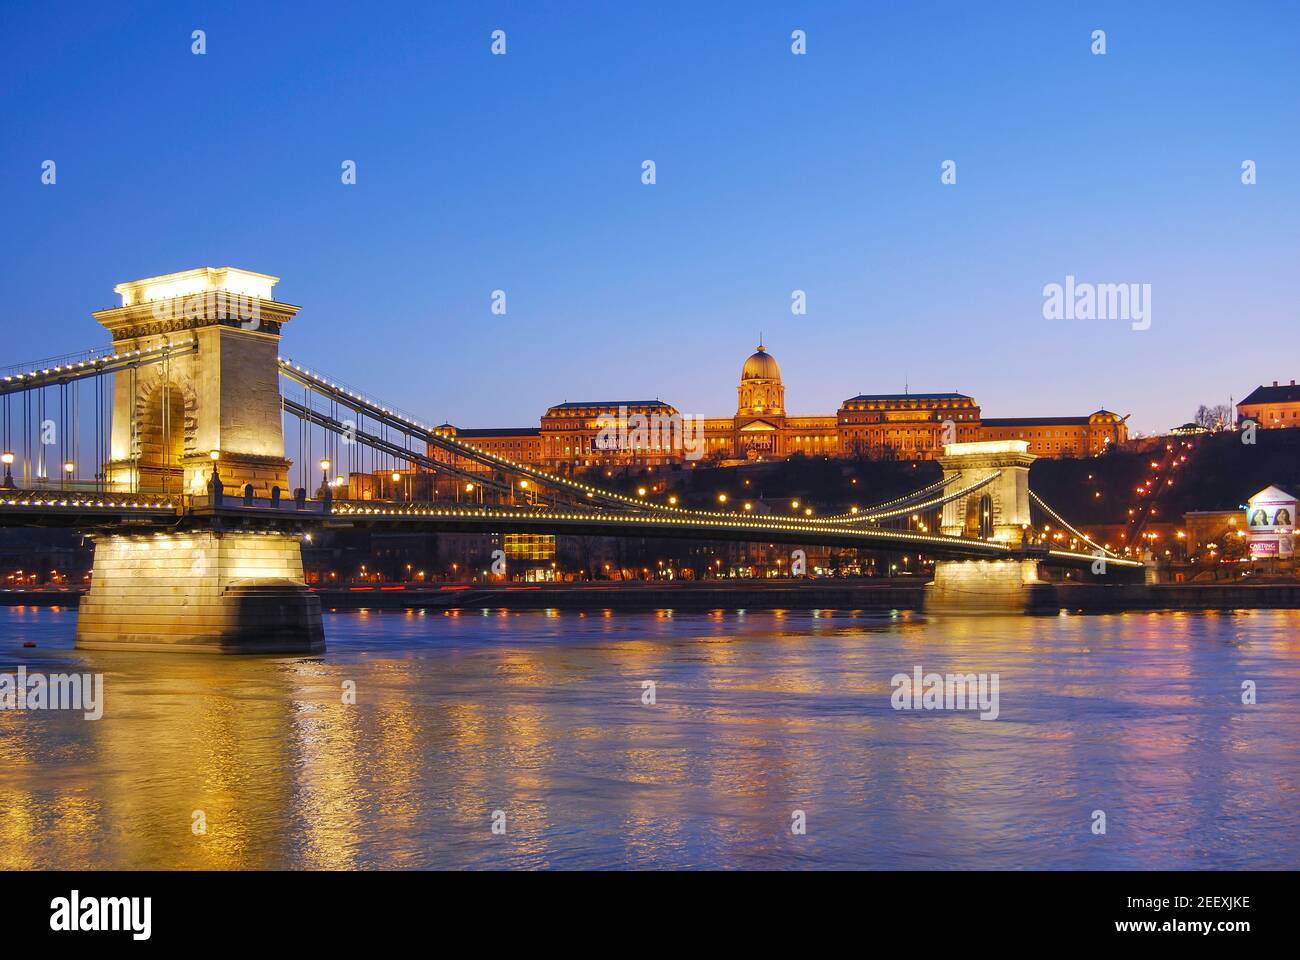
pixel 224 396
pixel 997 511
pixel 215 408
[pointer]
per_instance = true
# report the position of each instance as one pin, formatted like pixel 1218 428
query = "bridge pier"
pixel 205 591
pixel 989 586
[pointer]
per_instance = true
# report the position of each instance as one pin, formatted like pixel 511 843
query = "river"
pixel 762 722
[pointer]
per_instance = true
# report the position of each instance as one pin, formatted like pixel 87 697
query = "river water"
pixel 536 721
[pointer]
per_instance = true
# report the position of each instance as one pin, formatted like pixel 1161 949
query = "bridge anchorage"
pixel 198 515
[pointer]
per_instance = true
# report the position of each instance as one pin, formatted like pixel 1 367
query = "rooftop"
pixel 605 404
pixel 1034 421
pixel 1289 393
pixel 908 396
pixel 488 432
pixel 199 280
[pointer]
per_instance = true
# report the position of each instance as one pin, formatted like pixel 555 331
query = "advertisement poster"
pixel 1270 523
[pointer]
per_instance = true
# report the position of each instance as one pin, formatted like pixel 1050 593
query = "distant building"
pixel 912 426
pixel 521 444
pixel 1272 407
pixel 1061 436
pixel 1205 527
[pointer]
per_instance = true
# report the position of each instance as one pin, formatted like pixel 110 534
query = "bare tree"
pixel 1218 417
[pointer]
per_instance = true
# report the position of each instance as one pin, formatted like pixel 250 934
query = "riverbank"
pixel 897 594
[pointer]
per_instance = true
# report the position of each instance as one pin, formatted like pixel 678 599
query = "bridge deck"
pixel 50 508
pixel 128 511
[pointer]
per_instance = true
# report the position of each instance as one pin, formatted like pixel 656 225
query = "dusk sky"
pixel 775 172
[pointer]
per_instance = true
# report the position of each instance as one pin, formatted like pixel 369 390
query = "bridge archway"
pixel 164 433
pixel 979 517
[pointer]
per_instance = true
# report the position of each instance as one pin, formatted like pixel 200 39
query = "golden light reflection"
pixel 540 715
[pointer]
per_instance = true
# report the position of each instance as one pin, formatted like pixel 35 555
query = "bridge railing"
pixel 64 360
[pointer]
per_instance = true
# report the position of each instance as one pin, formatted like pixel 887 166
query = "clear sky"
pixel 775 172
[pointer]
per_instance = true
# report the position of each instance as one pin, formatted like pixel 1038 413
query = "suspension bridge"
pixel 170 447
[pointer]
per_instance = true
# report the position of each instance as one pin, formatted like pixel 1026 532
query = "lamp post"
pixel 396 478
pixel 8 458
pixel 68 468
pixel 214 481
pixel 326 495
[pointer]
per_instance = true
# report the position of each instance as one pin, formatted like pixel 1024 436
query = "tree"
pixel 1217 417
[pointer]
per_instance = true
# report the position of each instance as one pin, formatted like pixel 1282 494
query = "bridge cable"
pixel 1059 519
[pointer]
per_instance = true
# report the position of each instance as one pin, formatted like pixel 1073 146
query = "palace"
pixel 905 426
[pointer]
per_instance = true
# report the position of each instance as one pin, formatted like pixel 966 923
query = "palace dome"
pixel 760 366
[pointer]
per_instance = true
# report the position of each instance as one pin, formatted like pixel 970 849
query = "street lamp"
pixel 68 468
pixel 325 478
pixel 8 458
pixel 214 482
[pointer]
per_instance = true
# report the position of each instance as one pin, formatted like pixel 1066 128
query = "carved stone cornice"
pixel 192 313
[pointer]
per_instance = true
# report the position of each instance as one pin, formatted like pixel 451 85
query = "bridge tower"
pixel 201 587
pixel 998 511
pixel 224 396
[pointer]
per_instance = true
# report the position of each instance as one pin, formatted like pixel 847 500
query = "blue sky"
pixel 775 172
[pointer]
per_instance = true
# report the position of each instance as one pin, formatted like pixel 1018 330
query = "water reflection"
pixel 540 716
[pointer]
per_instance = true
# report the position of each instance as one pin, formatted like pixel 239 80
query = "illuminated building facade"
pixel 910 426
pixel 1060 436
pixel 570 434
pixel 1272 407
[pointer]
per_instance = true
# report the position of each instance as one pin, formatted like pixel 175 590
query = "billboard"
pixel 1271 522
